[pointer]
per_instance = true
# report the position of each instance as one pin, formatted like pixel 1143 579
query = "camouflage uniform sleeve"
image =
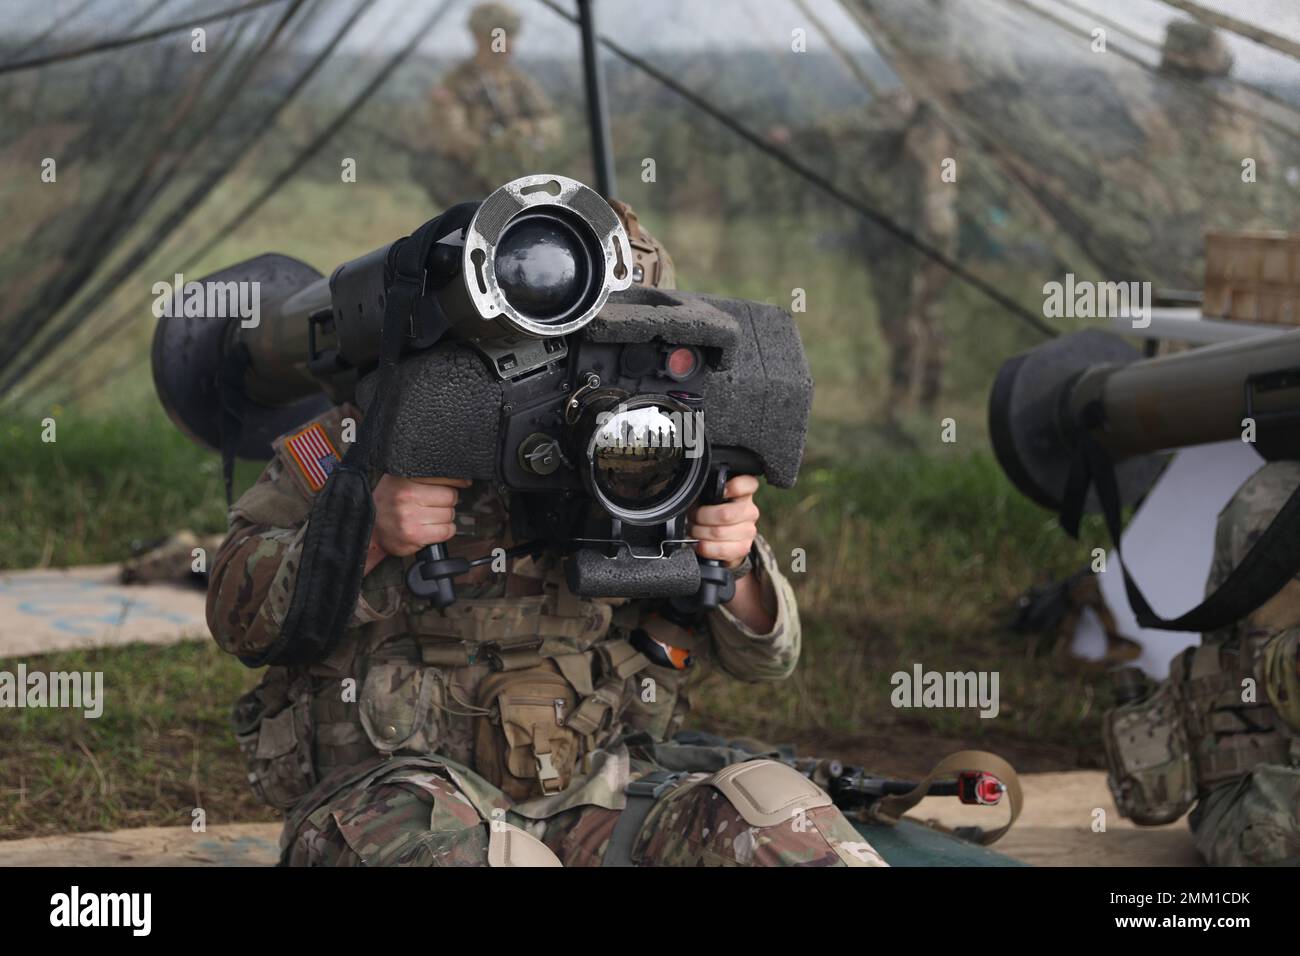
pixel 742 652
pixel 253 577
pixel 1273 628
pixel 1281 669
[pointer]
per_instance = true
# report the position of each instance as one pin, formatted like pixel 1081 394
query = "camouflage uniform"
pixel 1247 752
pixel 491 121
pixel 173 559
pixel 907 285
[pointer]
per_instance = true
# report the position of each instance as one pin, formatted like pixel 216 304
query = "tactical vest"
pixel 1231 725
pixel 1208 724
pixel 521 687
pixel 520 679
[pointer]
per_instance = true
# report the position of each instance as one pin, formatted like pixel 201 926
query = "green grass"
pixel 102 484
pixel 916 558
pixel 161 748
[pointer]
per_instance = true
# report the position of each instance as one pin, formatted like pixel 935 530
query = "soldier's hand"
pixel 411 513
pixel 727 531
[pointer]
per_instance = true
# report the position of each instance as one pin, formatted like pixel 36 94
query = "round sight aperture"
pixel 543 267
pixel 647 463
pixel 540 257
pixel 637 457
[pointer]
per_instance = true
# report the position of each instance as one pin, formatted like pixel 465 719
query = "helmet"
pixel 486 17
pixel 653 266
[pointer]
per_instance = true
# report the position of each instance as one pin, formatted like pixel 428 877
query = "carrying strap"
pixel 230 389
pixel 889 810
pixel 1272 561
pixel 343 515
pixel 641 797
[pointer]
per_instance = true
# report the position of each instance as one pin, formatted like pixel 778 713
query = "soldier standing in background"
pixel 906 284
pixel 490 120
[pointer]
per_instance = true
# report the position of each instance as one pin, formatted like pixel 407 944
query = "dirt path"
pixel 60 610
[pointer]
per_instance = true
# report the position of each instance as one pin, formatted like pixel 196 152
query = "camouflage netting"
pixel 1109 163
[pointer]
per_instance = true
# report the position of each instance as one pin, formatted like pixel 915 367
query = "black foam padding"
pixel 644 315
pixel 762 401
pixel 757 393
pixel 446 420
pixel 1026 408
pixel 591 574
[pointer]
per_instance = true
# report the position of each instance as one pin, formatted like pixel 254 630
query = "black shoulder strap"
pixel 642 795
pixel 230 389
pixel 343 515
pixel 1273 560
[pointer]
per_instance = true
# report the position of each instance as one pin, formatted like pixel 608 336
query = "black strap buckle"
pixel 654 784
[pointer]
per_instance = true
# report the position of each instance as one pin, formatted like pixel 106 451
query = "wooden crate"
pixel 1253 277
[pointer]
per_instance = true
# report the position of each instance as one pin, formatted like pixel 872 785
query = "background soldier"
pixel 522 713
pixel 912 144
pixel 490 119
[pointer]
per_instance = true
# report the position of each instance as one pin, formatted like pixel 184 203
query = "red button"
pixel 681 363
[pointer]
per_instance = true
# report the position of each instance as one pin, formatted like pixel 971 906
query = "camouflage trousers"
pixel 419 817
pixel 911 324
pixel 1254 821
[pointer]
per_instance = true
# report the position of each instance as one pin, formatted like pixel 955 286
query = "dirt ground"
pixel 1067 820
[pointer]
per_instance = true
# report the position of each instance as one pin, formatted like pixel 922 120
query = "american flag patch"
pixel 312 450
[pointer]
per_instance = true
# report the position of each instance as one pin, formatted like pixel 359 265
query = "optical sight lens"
pixel 638 457
pixel 648 457
pixel 542 267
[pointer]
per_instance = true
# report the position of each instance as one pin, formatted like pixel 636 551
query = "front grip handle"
pixel 431 575
pixel 717 586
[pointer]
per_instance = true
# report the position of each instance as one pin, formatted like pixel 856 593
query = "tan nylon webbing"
pixel 891 809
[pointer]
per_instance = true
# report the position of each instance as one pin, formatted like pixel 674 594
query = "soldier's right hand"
pixel 411 513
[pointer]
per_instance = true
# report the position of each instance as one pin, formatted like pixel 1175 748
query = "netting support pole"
pixel 602 154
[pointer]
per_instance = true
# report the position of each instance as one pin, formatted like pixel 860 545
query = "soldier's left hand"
pixel 727 531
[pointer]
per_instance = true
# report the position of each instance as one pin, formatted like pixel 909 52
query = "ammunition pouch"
pixel 401 707
pixel 274 729
pixel 1229 734
pixel 523 744
pixel 1197 730
pixel 1149 758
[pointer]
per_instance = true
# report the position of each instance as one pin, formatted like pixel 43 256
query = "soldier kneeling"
pixel 522 725
pixel 1223 731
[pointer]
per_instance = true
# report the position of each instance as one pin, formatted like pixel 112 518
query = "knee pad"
pixel 508 845
pixel 767 792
